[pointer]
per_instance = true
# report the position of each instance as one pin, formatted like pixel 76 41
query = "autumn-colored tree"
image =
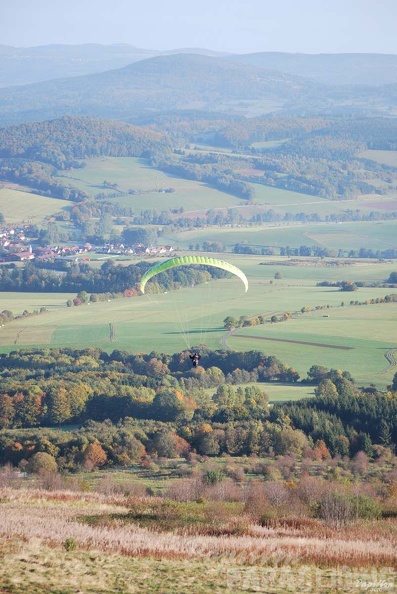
pixel 227 396
pixel 156 368
pixel 7 411
pixel 28 407
pixel 208 444
pixel 94 456
pixel 320 450
pixel 128 450
pixel 326 388
pixel 166 443
pixel 317 373
pixel 288 440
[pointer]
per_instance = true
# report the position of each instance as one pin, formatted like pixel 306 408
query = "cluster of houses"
pixel 15 247
pixel 139 249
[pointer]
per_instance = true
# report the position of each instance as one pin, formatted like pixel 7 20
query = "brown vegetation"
pixel 115 525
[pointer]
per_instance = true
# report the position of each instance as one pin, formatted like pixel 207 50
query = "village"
pixel 18 245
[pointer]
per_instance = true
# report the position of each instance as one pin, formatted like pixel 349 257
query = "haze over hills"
pixel 330 69
pixel 21 66
pixel 164 83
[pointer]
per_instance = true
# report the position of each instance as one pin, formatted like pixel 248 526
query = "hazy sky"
pixel 241 26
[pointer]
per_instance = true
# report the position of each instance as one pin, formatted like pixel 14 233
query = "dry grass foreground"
pixel 46 546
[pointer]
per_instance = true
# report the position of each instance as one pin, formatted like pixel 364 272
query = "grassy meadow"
pixel 281 393
pixel 351 338
pixel 66 542
pixel 386 157
pixel 133 173
pixel 354 337
pixel 24 207
pixel 348 236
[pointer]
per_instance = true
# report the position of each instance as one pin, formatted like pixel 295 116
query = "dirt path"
pixel 391 359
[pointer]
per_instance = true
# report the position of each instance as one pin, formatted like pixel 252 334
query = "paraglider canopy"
pixel 186 260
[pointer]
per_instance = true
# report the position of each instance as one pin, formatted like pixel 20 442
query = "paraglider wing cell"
pixel 186 260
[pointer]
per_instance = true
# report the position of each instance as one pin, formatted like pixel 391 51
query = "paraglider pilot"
pixel 195 358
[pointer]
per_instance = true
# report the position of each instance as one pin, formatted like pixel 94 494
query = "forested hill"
pixel 161 83
pixel 62 140
pixel 27 65
pixel 33 153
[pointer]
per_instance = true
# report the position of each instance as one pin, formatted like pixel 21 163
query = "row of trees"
pixel 315 251
pixel 109 278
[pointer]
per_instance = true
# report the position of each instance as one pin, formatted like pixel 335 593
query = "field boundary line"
pixel 316 344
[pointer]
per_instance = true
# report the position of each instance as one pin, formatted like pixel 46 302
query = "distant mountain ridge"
pixel 191 82
pixel 163 83
pixel 21 66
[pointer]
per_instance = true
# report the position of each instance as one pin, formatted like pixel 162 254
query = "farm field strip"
pixel 133 173
pixel 347 236
pixel 286 200
pixel 17 206
pixel 386 157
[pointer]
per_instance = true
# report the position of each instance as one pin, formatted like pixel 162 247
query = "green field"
pixel 348 236
pixel 24 207
pixel 386 157
pixel 355 338
pixel 280 393
pixel 177 320
pixel 193 316
pixel 194 197
pixel 133 173
pixel 284 201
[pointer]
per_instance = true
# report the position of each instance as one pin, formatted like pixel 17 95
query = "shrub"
pixel 42 463
pixel 213 476
pixel 339 508
pixel 70 544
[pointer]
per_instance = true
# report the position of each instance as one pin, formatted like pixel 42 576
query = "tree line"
pixel 110 277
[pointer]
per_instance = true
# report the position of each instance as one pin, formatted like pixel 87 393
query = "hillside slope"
pixel 166 83
pixel 28 65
